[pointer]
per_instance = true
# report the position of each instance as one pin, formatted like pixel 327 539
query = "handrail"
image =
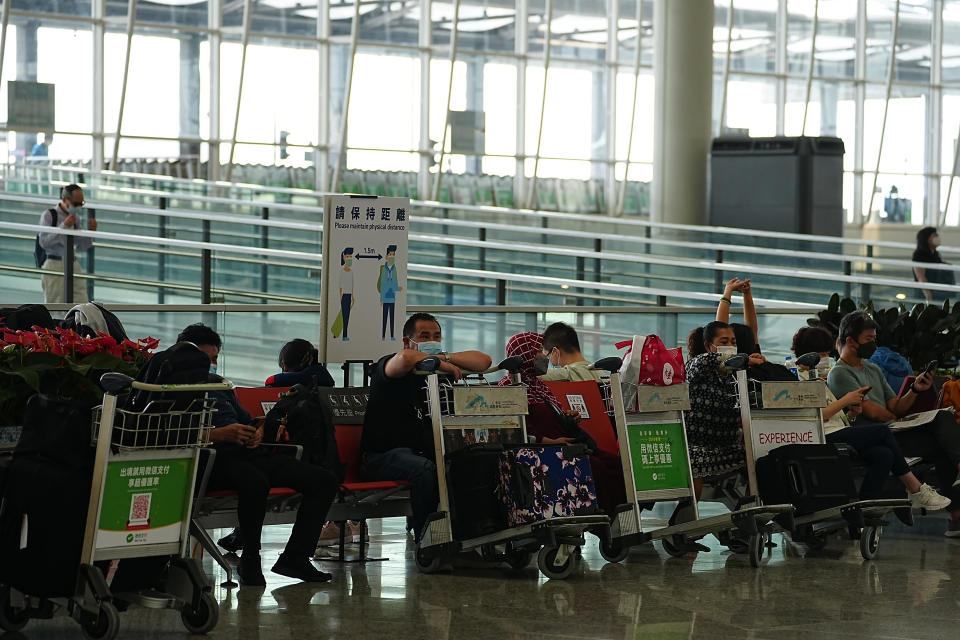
pixel 318 227
pixel 592 218
pixel 412 267
pixel 702 264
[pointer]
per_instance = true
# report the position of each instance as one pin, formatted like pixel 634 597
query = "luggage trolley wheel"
pixel 755 547
pixel 426 563
pixel 869 542
pixel 674 546
pixel 103 625
pixel 204 618
pixel 518 559
pixel 613 551
pixel 11 619
pixel 546 560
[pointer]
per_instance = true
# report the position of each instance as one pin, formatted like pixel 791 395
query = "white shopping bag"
pixel 630 371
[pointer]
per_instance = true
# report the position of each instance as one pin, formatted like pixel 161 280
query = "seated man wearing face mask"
pixel 938 441
pixel 397 435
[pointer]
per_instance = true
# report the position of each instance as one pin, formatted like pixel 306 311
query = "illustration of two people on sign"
pixel 387 286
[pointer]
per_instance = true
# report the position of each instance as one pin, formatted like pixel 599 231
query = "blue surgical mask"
pixel 213 369
pixel 430 348
pixel 74 210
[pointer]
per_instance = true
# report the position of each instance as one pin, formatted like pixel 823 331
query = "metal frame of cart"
pixel 661 413
pixel 138 456
pixel 863 519
pixel 557 540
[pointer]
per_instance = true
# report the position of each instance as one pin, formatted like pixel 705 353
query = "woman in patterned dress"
pixel 714 432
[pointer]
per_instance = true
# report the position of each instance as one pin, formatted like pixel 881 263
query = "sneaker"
pixel 232 542
pixel 249 571
pixel 927 498
pixel 354 529
pixel 301 570
pixel 953 529
pixel 329 535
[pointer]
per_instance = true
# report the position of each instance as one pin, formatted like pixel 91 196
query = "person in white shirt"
pixel 874 442
pixel 561 357
pixel 346 289
pixel 68 214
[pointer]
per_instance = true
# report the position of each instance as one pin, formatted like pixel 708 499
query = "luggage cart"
pixel 794 409
pixel 140 504
pixel 656 467
pixel 454 407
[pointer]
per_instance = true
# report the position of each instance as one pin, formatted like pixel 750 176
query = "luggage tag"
pixel 23 533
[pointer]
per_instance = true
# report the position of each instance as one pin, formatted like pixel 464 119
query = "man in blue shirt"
pixel 66 215
pixel 388 286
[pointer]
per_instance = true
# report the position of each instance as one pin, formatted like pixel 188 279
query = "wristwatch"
pixel 446 356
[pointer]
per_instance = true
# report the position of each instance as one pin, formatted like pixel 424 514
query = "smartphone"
pixel 931 366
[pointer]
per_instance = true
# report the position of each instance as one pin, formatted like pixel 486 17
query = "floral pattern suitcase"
pixel 539 482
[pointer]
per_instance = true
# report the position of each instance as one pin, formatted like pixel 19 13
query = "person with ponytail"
pixel 299 364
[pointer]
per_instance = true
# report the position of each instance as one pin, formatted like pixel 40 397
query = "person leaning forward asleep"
pixel 397 438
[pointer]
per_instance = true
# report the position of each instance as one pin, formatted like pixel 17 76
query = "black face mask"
pixel 867 349
pixel 541 365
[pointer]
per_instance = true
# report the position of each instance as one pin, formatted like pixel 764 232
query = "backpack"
pixel 183 363
pixel 91 318
pixel 26 317
pixel 39 253
pixel 894 366
pixel 304 416
pixel 770 372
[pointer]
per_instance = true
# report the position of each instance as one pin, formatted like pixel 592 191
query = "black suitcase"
pixel 42 518
pixel 472 477
pixel 58 430
pixel 811 477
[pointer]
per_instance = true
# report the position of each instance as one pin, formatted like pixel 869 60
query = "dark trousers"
pixel 403 464
pixel 388 308
pixel 937 442
pixel 876 444
pixel 252 476
pixel 345 300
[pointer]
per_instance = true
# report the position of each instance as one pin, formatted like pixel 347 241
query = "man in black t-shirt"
pixel 397 435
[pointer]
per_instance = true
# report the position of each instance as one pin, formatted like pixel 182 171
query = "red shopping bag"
pixel 649 362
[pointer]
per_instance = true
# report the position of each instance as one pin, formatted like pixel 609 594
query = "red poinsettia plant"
pixel 61 363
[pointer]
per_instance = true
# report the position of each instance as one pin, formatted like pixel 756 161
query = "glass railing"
pixel 253 334
pixel 678 259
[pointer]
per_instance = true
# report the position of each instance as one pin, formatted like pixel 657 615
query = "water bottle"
pixel 791 366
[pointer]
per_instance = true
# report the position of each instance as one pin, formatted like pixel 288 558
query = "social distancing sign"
pixel 364 289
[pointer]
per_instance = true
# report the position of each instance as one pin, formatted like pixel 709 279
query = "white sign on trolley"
pixel 364 290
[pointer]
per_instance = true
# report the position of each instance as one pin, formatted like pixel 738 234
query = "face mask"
pixel 347 262
pixel 213 369
pixel 74 210
pixel 727 351
pixel 430 348
pixel 389 262
pixel 541 365
pixel 866 350
pixel 936 242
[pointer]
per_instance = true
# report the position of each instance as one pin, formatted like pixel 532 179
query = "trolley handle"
pixel 115 383
pixel 432 365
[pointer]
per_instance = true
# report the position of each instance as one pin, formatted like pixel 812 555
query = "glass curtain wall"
pixel 540 103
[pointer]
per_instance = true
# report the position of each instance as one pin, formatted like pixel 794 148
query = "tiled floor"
pixel 907 592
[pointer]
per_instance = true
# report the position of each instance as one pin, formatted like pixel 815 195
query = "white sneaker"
pixel 927 498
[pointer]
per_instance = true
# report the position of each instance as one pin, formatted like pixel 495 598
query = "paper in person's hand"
pixel 915 420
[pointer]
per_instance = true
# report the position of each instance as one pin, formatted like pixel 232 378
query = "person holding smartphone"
pixel 874 442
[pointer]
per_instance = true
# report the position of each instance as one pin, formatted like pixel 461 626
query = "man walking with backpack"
pixel 242 465
pixel 51 248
